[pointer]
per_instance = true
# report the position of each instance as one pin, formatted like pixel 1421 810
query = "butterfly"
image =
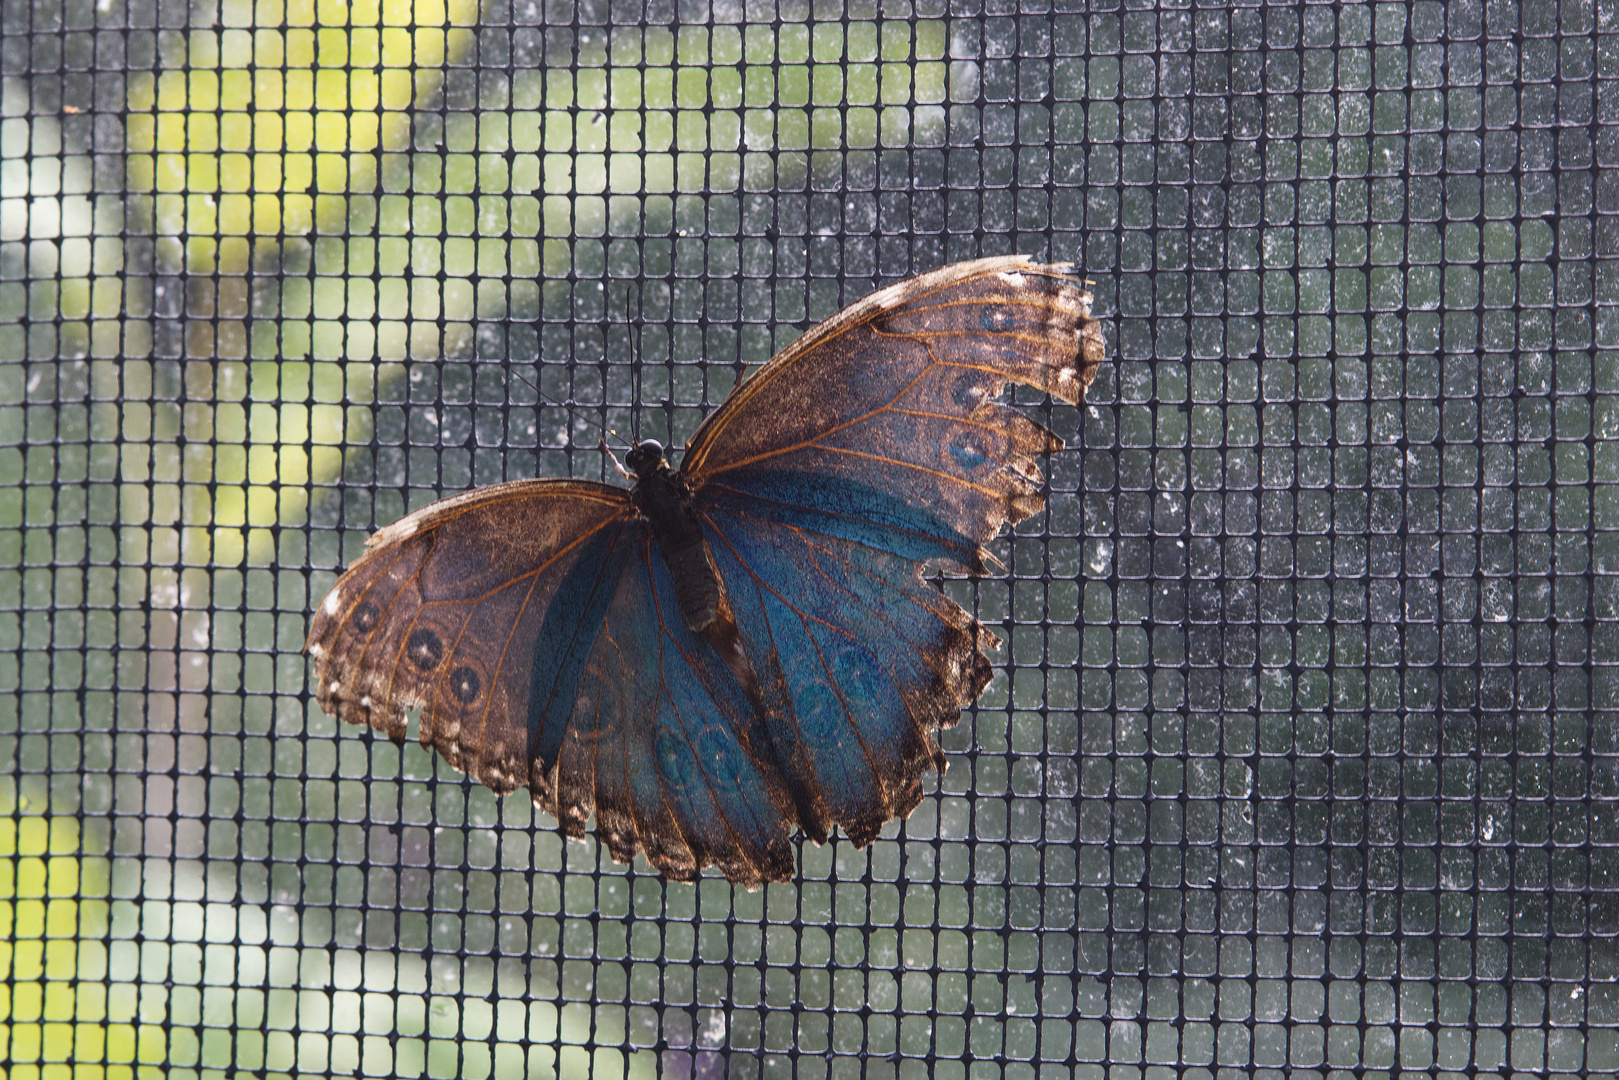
pixel 746 646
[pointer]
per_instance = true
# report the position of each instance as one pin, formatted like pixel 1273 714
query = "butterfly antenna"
pixel 635 363
pixel 572 408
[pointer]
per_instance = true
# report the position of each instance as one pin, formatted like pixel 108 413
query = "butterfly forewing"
pixel 663 745
pixel 937 349
pixel 542 639
pixel 444 612
pixel 858 660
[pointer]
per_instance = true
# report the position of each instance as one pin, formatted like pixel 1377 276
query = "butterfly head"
pixel 646 459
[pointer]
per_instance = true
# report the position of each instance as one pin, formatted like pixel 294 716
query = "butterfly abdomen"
pixel 664 502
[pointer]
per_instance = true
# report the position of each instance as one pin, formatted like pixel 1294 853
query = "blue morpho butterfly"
pixel 746 645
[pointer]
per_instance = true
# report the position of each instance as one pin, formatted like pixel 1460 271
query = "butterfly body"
pixel 665 502
pixel 747 645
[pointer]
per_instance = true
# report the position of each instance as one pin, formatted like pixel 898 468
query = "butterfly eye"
pixel 425 649
pixel 365 616
pixel 465 684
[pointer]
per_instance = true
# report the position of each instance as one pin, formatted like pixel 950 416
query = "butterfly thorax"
pixel 665 503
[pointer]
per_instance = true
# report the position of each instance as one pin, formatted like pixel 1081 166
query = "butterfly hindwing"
pixel 858 660
pixel 664 745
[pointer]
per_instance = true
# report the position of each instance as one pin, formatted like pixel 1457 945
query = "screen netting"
pixel 1302 751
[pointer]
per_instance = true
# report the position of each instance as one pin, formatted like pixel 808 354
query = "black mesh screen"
pixel 1302 753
